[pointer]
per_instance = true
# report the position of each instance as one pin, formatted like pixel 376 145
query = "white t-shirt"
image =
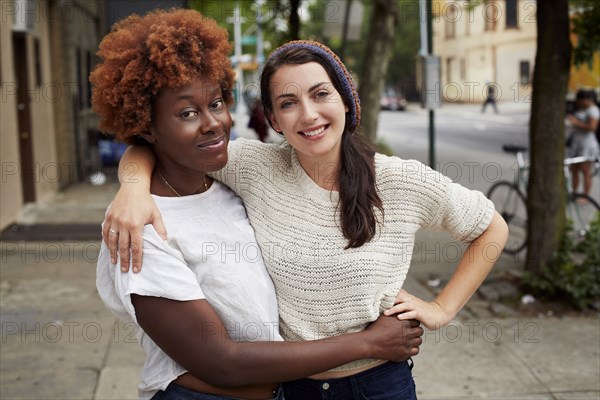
pixel 211 254
pixel 584 115
pixel 583 142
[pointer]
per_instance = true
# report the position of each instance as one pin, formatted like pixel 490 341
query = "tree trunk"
pixel 294 22
pixel 546 193
pixel 378 51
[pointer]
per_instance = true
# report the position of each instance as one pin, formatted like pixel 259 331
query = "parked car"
pixel 393 100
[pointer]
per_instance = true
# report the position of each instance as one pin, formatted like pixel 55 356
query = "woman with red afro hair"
pixel 208 319
pixel 143 55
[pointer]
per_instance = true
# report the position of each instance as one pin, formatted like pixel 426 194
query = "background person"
pixel 583 142
pixel 490 98
pixel 258 122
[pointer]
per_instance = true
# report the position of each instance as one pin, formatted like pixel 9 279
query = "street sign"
pixel 429 79
pixel 249 40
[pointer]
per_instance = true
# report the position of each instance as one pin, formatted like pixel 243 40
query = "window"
pixel 450 20
pixel 88 85
pixel 37 62
pixel 78 62
pixel 449 70
pixel 490 14
pixel 511 14
pixel 470 6
pixel 524 73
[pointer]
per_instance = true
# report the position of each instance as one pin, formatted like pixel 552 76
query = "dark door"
pixel 24 117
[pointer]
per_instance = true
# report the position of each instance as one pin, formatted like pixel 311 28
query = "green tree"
pixel 401 71
pixel 273 13
pixel 586 24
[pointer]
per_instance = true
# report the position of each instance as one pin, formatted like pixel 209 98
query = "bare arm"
pixel 474 266
pixel 192 334
pixel 590 125
pixel 135 172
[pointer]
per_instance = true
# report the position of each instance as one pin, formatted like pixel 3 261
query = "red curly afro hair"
pixel 142 55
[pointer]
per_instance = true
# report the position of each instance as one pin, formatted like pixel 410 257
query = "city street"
pixel 468 143
pixel 60 342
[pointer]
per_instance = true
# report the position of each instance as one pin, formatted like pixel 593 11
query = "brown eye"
pixel 217 105
pixel 188 114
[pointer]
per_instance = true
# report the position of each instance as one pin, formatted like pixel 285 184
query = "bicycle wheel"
pixel 511 205
pixel 581 210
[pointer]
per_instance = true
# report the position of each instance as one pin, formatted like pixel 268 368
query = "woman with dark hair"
pixel 583 142
pixel 335 221
pixel 207 318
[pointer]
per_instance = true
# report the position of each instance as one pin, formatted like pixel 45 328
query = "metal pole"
pixel 260 52
pixel 423 27
pixel 240 108
pixel 431 111
pixel 345 29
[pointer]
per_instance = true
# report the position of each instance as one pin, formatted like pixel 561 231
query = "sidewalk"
pixel 58 341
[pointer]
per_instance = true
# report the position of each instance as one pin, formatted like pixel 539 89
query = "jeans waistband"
pixel 175 391
pixel 362 378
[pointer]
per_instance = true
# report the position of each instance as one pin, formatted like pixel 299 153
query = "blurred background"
pixel 50 137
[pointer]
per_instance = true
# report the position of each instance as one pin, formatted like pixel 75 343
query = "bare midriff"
pixel 342 374
pixel 254 392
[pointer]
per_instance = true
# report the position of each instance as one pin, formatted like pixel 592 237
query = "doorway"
pixel 21 67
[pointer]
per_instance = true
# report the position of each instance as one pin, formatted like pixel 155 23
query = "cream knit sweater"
pixel 322 289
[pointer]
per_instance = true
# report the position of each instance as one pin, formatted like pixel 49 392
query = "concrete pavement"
pixel 59 342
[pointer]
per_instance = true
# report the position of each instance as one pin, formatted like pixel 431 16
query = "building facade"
pixel 47 49
pixel 485 43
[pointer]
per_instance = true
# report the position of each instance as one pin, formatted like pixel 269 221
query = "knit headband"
pixel 348 89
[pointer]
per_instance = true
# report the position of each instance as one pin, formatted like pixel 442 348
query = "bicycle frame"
pixel 510 199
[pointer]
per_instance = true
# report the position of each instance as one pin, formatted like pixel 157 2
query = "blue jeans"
pixel 176 392
pixel 389 381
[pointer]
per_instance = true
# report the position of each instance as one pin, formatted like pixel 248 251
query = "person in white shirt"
pixel 583 142
pixel 336 222
pixel 204 306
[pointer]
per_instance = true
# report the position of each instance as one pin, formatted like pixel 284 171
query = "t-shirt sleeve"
pixel 594 112
pixel 164 274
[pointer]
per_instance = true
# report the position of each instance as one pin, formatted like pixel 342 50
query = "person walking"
pixel 490 98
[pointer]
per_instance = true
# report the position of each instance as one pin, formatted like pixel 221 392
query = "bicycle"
pixel 510 200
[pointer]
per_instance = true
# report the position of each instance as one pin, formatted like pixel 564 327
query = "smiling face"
pixel 190 130
pixel 309 111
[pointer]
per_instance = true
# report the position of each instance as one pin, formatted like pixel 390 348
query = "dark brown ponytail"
pixel 358 191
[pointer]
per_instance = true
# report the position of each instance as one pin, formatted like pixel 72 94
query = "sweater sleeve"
pixel 464 213
pixel 434 201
